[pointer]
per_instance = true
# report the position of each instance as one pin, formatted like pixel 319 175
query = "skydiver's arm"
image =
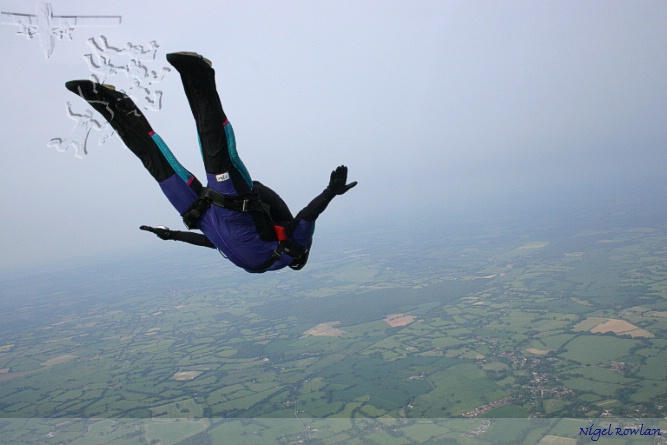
pixel 337 186
pixel 164 233
pixel 316 206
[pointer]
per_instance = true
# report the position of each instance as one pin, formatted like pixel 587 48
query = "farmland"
pixel 566 322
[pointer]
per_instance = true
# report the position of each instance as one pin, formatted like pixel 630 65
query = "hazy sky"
pixel 431 104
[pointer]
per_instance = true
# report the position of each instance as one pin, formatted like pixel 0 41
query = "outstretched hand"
pixel 337 183
pixel 162 232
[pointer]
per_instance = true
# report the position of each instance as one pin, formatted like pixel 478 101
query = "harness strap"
pixel 210 197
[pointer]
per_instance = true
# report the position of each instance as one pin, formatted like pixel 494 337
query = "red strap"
pixel 280 233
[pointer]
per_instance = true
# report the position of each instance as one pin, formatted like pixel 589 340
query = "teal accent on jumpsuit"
pixel 234 156
pixel 178 168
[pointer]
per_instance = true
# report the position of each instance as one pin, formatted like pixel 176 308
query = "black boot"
pixel 186 58
pixel 117 108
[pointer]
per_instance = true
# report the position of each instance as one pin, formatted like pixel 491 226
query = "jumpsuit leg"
pixel 224 169
pixel 178 184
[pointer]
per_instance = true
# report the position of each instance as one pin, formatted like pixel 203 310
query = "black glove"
pixel 161 231
pixel 337 183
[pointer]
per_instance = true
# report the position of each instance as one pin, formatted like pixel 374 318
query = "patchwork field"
pixel 397 320
pixel 325 330
pixel 570 323
pixel 621 327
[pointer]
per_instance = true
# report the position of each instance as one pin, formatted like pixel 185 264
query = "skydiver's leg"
pixel 224 169
pixel 178 184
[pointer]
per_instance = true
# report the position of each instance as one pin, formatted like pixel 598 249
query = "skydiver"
pixel 245 220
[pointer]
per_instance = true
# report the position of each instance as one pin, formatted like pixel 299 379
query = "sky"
pixel 433 105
